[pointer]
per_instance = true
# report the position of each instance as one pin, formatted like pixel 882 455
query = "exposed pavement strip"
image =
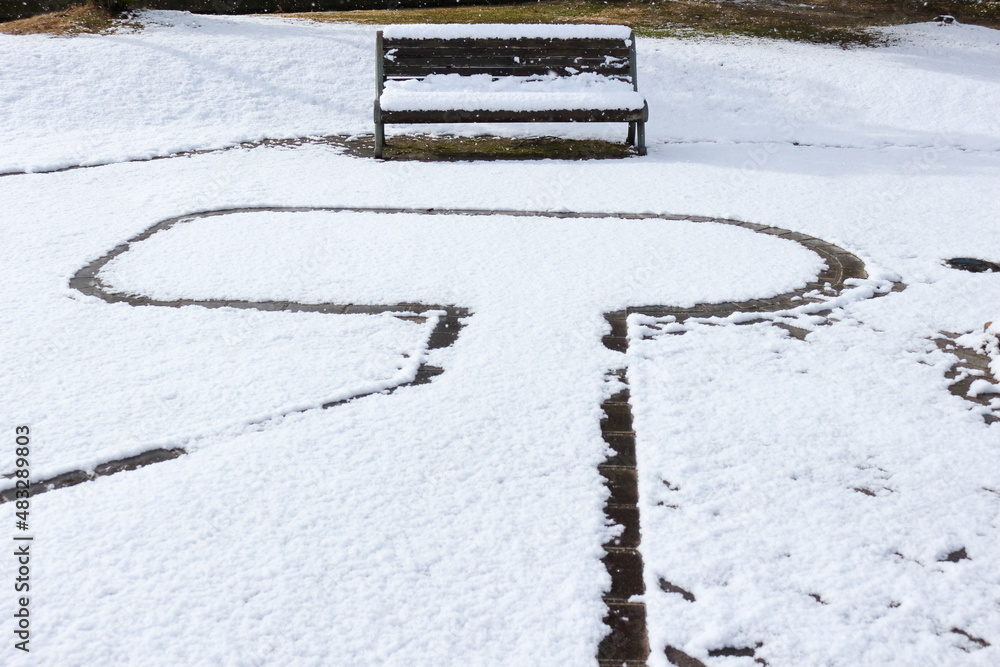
pixel 970 365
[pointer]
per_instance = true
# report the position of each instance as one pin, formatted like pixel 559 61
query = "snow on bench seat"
pixel 506 31
pixel 473 101
pixel 482 92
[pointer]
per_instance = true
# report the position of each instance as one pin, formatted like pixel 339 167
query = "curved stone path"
pixel 627 643
pixel 970 365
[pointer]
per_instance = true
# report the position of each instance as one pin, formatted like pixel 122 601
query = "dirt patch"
pixel 820 21
pixel 80 20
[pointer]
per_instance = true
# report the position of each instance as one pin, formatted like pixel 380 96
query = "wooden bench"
pixel 507 73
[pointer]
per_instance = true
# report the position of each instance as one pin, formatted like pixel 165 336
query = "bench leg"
pixel 641 137
pixel 630 140
pixel 379 139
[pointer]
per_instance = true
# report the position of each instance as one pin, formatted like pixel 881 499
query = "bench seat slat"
pixel 401 100
pixel 551 116
pixel 416 72
pixel 536 45
pixel 507 31
pixel 576 60
pixel 466 52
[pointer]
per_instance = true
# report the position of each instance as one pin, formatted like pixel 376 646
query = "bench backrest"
pixel 409 58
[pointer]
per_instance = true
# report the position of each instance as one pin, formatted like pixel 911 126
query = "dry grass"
pixel 79 20
pixel 842 22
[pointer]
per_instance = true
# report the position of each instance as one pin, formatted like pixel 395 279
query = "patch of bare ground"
pixel 843 22
pixel 87 19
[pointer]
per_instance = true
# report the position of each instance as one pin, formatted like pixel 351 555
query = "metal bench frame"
pixel 418 58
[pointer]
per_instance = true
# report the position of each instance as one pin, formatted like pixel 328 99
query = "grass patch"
pixel 842 22
pixel 424 148
pixel 88 19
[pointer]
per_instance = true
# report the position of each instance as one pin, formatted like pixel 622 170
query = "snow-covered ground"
pixel 806 493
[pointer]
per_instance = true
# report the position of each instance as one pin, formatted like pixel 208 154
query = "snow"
pixel 140 377
pixel 814 518
pixel 461 521
pixel 985 342
pixel 185 82
pixel 507 31
pixel 481 92
pixel 315 256
pixel 197 82
pixel 472 101
pixel 979 387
